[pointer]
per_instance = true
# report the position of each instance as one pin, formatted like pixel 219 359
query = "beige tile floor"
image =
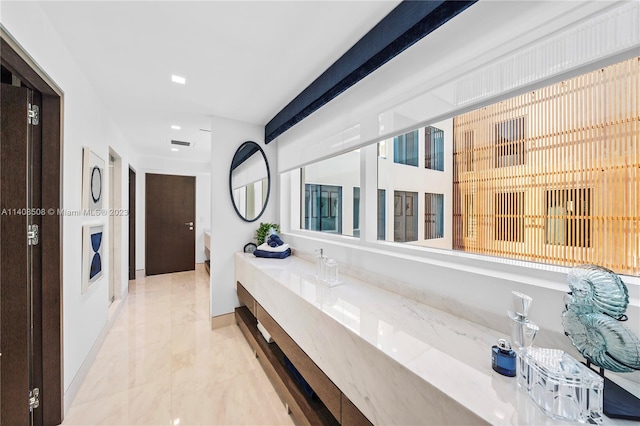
pixel 161 364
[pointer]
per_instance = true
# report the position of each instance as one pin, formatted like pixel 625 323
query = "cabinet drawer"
pixel 321 384
pixel 245 298
pixel 305 411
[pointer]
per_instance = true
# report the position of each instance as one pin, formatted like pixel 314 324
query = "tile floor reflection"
pixel 161 364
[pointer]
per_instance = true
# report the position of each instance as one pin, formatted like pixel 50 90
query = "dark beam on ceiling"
pixel 409 22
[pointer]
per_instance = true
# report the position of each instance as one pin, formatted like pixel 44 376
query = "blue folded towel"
pixel 274 238
pixel 272 255
pixel 272 243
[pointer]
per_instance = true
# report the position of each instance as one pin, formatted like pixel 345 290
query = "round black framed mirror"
pixel 249 181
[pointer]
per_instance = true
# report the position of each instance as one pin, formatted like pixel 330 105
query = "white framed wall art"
pixel 92 255
pixel 93 176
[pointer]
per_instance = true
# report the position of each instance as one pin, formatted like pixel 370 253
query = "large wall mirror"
pixel 249 181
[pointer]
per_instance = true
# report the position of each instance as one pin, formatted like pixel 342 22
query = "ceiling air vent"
pixel 180 143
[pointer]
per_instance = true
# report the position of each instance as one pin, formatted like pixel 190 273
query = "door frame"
pixel 115 225
pixel 132 223
pixel 15 58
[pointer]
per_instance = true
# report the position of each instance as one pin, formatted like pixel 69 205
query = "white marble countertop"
pixel 450 354
pixel 207 239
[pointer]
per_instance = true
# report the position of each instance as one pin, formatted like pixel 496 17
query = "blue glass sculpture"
pixel 591 319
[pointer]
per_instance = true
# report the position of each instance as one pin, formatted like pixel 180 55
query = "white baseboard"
pixel 72 391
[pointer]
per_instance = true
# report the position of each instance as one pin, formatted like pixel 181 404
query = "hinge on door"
pixel 34 399
pixel 32 234
pixel 33 114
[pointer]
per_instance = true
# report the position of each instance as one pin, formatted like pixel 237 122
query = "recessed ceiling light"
pixel 174 127
pixel 178 79
pixel 174 149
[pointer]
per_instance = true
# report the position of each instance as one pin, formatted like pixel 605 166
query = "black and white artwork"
pixel 92 180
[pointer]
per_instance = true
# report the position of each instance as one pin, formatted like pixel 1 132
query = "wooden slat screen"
pixel 562 165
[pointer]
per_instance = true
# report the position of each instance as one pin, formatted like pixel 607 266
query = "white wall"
pixel 203 199
pixel 229 233
pixel 86 123
pixel 203 213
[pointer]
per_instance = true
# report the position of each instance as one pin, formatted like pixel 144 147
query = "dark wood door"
pixel 132 224
pixel 170 211
pixel 16 343
pixel 30 179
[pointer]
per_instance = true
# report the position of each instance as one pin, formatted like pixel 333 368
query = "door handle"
pixel 189 223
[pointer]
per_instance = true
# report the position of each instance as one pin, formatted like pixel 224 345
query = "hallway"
pixel 161 364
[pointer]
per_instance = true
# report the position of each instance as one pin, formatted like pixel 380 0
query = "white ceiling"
pixel 243 60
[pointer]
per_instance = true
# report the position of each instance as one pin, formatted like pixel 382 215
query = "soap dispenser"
pixel 320 275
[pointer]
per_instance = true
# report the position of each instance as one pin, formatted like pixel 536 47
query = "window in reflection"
pixel 433 216
pixel 405 149
pixel 324 206
pixel 250 198
pixel 434 148
pixel 509 142
pixel 331 191
pixel 356 212
pixel 412 200
pixel 382 214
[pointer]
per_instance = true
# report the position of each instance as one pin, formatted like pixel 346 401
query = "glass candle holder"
pixel 562 387
pixel 331 271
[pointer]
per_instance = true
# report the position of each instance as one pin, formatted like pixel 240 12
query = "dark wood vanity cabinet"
pixel 328 393
pixel 329 406
pixel 246 299
pixel 351 416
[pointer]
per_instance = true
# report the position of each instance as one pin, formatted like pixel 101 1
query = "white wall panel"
pixel 229 233
pixel 85 123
